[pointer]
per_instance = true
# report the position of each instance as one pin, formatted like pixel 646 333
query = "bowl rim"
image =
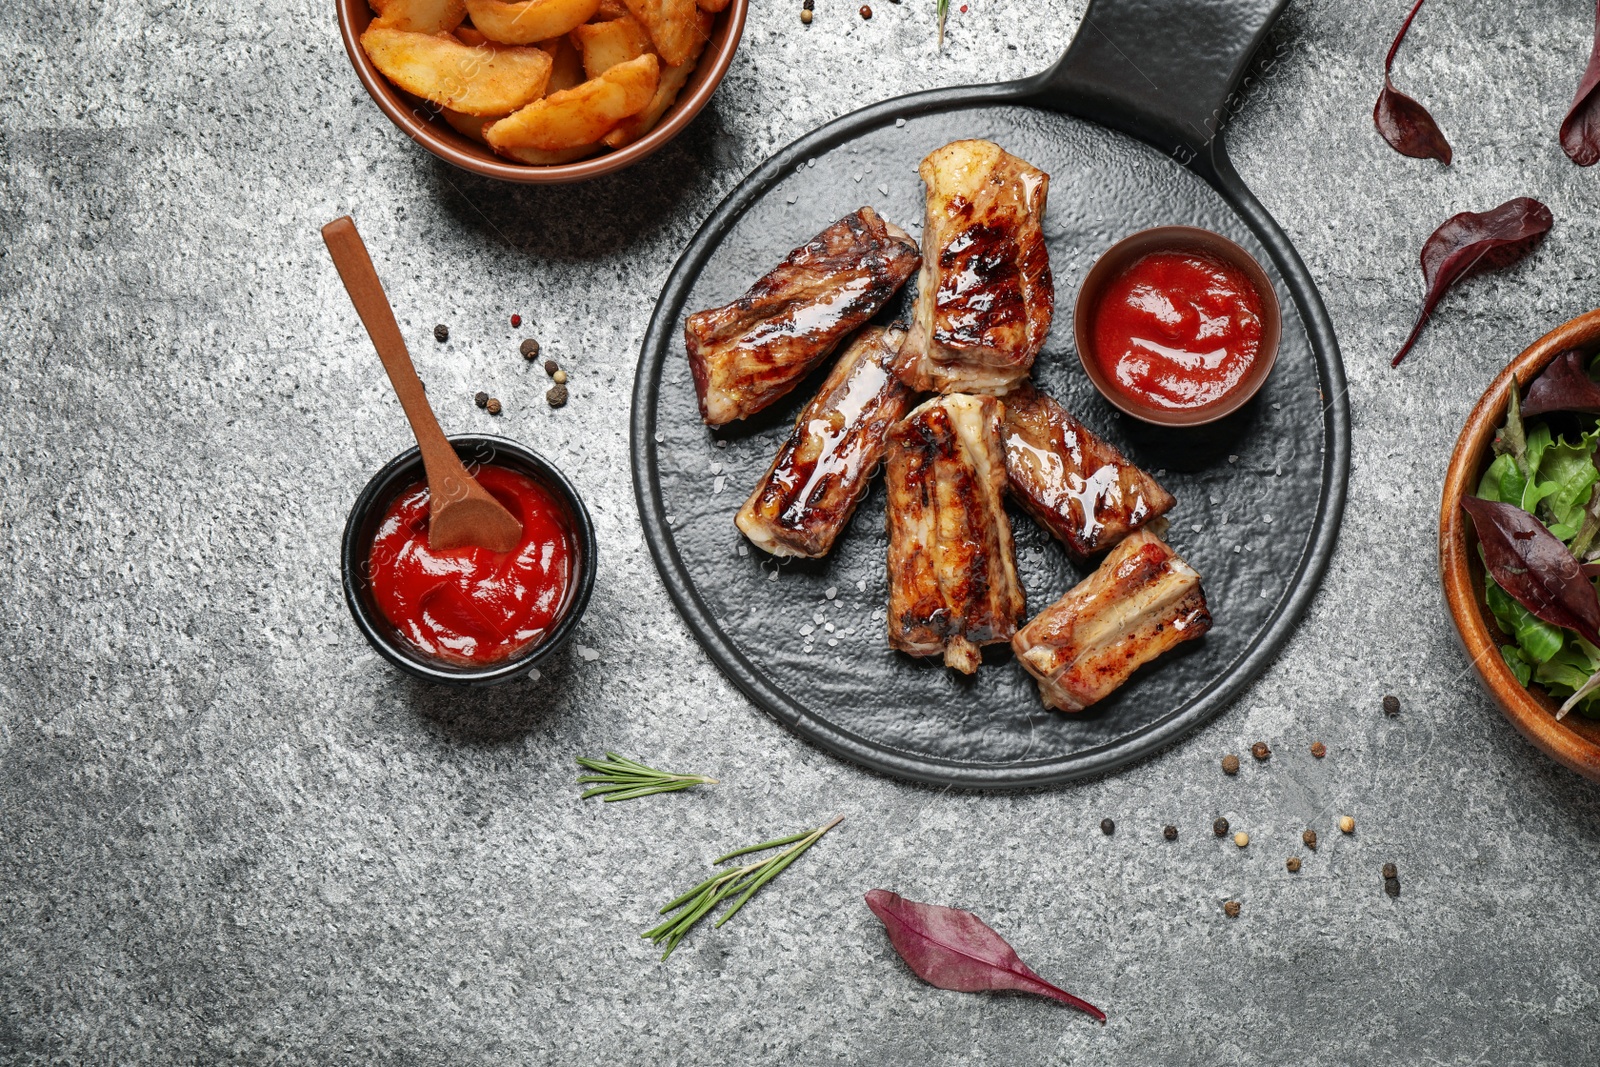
pixel 1178 237
pixel 424 131
pixel 1573 742
pixel 405 469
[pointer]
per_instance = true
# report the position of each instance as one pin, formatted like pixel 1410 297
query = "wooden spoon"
pixel 461 512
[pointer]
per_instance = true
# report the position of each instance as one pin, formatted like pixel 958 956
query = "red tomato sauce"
pixel 471 605
pixel 1178 330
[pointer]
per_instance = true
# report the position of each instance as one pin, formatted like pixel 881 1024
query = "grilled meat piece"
pixel 1077 486
pixel 952 569
pixel 985 296
pixel 824 468
pixel 747 354
pixel 1143 600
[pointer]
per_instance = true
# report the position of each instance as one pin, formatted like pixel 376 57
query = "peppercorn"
pixel 1107 827
pixel 805 16
pixel 866 12
pixel 529 349
pixel 1230 764
pixel 441 333
pixel 1231 909
pixel 1241 839
pixel 1310 839
pixel 808 4
pixel 1260 750
pixel 493 406
pixel 516 320
pixel 560 377
pixel 1318 749
pixel 1293 864
pixel 557 396
pixel 1347 825
pixel 1391 886
pixel 481 399
pixel 1170 832
pixel 1389 871
pixel 1220 827
pixel 1391 705
pixel 550 367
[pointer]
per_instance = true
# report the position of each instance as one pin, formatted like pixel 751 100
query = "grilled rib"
pixel 824 468
pixel 1143 600
pixel 952 569
pixel 985 296
pixel 1077 486
pixel 747 354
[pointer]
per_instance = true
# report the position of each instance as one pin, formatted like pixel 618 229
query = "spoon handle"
pixel 444 467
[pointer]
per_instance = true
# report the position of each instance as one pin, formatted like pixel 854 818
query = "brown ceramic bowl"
pixel 412 115
pixel 1122 255
pixel 1575 740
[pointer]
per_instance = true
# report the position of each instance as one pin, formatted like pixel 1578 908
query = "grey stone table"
pixel 230 833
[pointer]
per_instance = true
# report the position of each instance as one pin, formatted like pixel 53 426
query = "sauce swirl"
pixel 471 605
pixel 1178 330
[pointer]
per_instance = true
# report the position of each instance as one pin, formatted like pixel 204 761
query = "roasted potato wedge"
pixel 420 16
pixel 486 80
pixel 667 90
pixel 605 44
pixel 541 158
pixel 610 9
pixel 471 36
pixel 529 21
pixel 567 64
pixel 673 26
pixel 713 6
pixel 580 115
pixel 468 126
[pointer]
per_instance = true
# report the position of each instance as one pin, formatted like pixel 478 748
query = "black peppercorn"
pixel 557 396
pixel 1107 827
pixel 1310 839
pixel 1170 832
pixel 1389 871
pixel 1220 827
pixel 1391 705
pixel 441 333
pixel 1391 886
pixel 530 349
pixel 550 367
pixel 482 400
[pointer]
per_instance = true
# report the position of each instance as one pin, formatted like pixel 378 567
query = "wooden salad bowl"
pixel 1575 740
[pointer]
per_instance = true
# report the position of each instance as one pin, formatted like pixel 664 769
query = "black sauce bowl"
pixel 404 471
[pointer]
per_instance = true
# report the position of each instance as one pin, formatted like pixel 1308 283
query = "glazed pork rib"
pixel 985 296
pixel 747 354
pixel 952 570
pixel 1077 486
pixel 1143 600
pixel 826 465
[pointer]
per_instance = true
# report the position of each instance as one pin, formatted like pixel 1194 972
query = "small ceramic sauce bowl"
pixel 1124 254
pixel 416 119
pixel 404 471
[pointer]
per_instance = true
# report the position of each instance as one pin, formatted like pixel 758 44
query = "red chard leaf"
pixel 1562 386
pixel 1580 130
pixel 1402 120
pixel 954 949
pixel 1472 242
pixel 1534 567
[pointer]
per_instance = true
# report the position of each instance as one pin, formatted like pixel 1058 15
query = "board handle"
pixel 1168 72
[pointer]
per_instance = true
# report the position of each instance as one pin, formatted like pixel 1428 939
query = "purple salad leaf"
pixel 1564 385
pixel 1532 565
pixel 1402 120
pixel 1580 130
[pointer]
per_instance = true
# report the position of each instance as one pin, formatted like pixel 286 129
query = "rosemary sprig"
pixel 743 881
pixel 620 778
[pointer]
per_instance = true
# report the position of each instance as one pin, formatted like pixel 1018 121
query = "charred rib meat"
pixel 747 354
pixel 952 573
pixel 824 468
pixel 1077 486
pixel 1143 600
pixel 985 296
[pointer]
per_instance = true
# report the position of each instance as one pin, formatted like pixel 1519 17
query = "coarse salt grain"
pixel 828 626
pixel 773 576
pixel 884 189
pixel 818 618
pixel 833 642
pixel 743 550
pixel 807 630
pixel 899 123
pixel 861 586
pixel 832 592
pixel 1233 459
pixel 716 487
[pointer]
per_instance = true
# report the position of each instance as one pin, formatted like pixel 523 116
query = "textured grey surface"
pixel 229 833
